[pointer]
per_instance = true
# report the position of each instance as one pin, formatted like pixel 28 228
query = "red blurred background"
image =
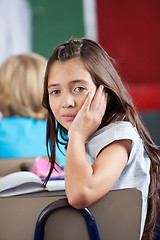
pixel 130 32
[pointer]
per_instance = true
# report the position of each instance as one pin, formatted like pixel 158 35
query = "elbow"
pixel 77 200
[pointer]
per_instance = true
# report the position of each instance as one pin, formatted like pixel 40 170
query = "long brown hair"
pixel 120 108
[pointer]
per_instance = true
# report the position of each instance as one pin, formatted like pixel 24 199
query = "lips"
pixel 68 117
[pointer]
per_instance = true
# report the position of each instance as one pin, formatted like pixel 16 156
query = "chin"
pixel 66 126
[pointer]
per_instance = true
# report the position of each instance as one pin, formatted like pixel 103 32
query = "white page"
pixel 54 185
pixel 18 178
pixel 26 182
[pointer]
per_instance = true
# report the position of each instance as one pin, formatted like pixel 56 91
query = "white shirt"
pixel 136 173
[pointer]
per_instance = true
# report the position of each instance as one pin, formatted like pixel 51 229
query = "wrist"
pixel 76 137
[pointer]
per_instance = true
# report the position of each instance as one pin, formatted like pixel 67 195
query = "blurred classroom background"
pixel 128 30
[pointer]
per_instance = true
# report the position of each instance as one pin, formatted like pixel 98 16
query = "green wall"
pixel 55 21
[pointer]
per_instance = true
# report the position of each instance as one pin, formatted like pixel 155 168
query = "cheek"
pixel 53 106
pixel 81 99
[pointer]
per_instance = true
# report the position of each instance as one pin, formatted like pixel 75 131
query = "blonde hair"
pixel 21 84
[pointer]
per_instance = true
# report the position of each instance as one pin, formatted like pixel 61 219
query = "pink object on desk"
pixel 41 168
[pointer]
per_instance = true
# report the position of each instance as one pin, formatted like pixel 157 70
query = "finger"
pixel 103 103
pixel 87 102
pixel 97 98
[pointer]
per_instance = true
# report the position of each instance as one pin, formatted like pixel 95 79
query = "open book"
pixel 19 183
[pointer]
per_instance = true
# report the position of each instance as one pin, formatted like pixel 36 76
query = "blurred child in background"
pixel 23 118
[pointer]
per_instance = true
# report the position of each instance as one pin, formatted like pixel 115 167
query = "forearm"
pixel 78 172
pixel 82 183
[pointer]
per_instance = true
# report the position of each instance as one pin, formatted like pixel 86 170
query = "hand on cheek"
pixel 90 115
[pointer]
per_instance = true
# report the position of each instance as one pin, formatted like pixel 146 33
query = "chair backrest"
pixel 117 215
pixel 62 204
pixel 18 215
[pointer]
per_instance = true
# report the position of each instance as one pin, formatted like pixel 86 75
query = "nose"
pixel 68 101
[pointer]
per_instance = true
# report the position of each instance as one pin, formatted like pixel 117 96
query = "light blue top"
pixel 136 173
pixel 25 137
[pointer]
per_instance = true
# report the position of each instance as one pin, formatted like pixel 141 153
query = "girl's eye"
pixel 79 89
pixel 55 92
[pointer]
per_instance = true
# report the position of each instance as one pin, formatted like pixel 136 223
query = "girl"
pixel 108 146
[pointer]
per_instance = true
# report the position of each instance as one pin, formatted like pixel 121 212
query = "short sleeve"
pixel 109 134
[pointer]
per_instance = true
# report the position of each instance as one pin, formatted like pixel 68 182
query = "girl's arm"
pixel 84 183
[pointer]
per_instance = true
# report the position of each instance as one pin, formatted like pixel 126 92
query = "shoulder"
pixel 108 134
pixel 115 131
pixel 14 124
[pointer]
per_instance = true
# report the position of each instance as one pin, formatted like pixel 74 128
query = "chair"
pixel 18 214
pixel 63 204
pixel 117 215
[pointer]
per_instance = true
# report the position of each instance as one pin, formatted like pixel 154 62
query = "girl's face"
pixel 68 85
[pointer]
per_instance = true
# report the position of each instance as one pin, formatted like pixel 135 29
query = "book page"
pixel 22 189
pixel 54 185
pixel 18 178
pixel 26 182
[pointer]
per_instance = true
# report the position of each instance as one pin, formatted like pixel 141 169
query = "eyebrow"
pixel 72 82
